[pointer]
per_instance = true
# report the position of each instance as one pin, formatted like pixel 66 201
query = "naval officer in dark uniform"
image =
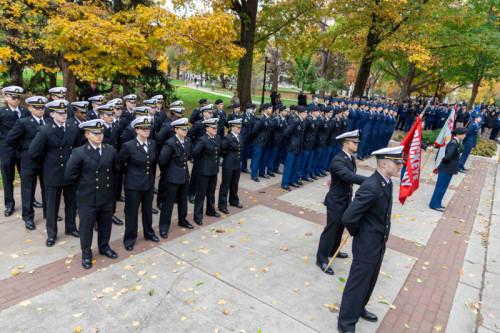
pixel 20 137
pixel 368 220
pixel 93 167
pixel 448 167
pixel 53 146
pixel 173 160
pixel 138 159
pixel 9 156
pixel 206 152
pixel 231 167
pixel 343 173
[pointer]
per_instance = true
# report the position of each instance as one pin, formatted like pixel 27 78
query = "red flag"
pixel 410 178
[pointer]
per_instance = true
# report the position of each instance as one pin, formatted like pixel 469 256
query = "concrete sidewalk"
pixel 254 269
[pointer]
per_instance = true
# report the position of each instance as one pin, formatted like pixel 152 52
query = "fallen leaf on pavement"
pixel 332 307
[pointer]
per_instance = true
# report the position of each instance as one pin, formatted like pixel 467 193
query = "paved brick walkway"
pixel 422 305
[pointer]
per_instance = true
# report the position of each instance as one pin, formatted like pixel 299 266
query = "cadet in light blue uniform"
pixel 469 141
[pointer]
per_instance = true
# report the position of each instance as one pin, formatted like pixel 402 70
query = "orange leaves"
pixel 97 43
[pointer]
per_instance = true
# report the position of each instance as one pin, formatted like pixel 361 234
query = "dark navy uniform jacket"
pixel 94 174
pixel 138 165
pixel 368 218
pixel 20 137
pixel 230 150
pixel 449 163
pixel 54 147
pixel 261 132
pixel 206 153
pixel 7 120
pixel 173 160
pixel 294 135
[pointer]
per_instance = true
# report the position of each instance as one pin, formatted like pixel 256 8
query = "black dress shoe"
pixel 154 211
pixel 155 190
pixel 8 211
pixel 278 172
pixel 341 330
pixel 116 220
pixel 307 180
pixel 121 198
pixel 37 204
pixel 50 242
pixel 255 179
pixel 153 238
pixel 191 199
pixel 109 253
pixel 368 316
pixel 315 177
pixel 59 219
pixel 87 263
pixel 214 214
pixel 238 205
pixel 224 210
pixel 30 225
pixel 198 222
pixel 270 174
pixel 74 233
pixel 244 171
pixel 265 176
pixel 300 182
pixel 186 225
pixel 439 209
pixel 295 185
pixel 129 248
pixel 164 235
pixel 286 188
pixel 324 267
pixel 342 255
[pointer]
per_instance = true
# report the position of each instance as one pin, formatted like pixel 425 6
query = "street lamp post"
pixel 264 83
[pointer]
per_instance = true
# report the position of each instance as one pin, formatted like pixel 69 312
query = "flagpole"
pixel 342 244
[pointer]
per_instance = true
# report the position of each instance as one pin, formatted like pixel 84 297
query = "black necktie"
pixel 62 129
pixel 40 122
pixel 98 150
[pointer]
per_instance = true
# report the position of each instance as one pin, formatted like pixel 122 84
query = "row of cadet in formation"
pixel 40 142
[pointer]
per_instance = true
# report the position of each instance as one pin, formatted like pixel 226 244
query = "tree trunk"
pixel 248 15
pixel 372 41
pixel 69 81
pixel 407 83
pixel 178 71
pixel 274 68
pixel 169 71
pixel 479 71
pixel 52 79
pixel 475 90
pixel 16 73
pixel 223 81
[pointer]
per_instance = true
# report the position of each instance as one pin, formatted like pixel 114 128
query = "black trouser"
pixel 230 180
pixel 53 200
pixel 119 185
pixel 173 193
pixel 331 236
pixel 88 216
pixel 162 192
pixel 192 184
pixel 8 170
pixel 28 189
pixel 205 187
pixel 132 201
pixel 357 292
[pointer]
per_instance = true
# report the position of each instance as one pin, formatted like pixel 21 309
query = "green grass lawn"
pixel 191 96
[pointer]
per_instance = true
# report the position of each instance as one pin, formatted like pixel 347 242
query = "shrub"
pixel 484 147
